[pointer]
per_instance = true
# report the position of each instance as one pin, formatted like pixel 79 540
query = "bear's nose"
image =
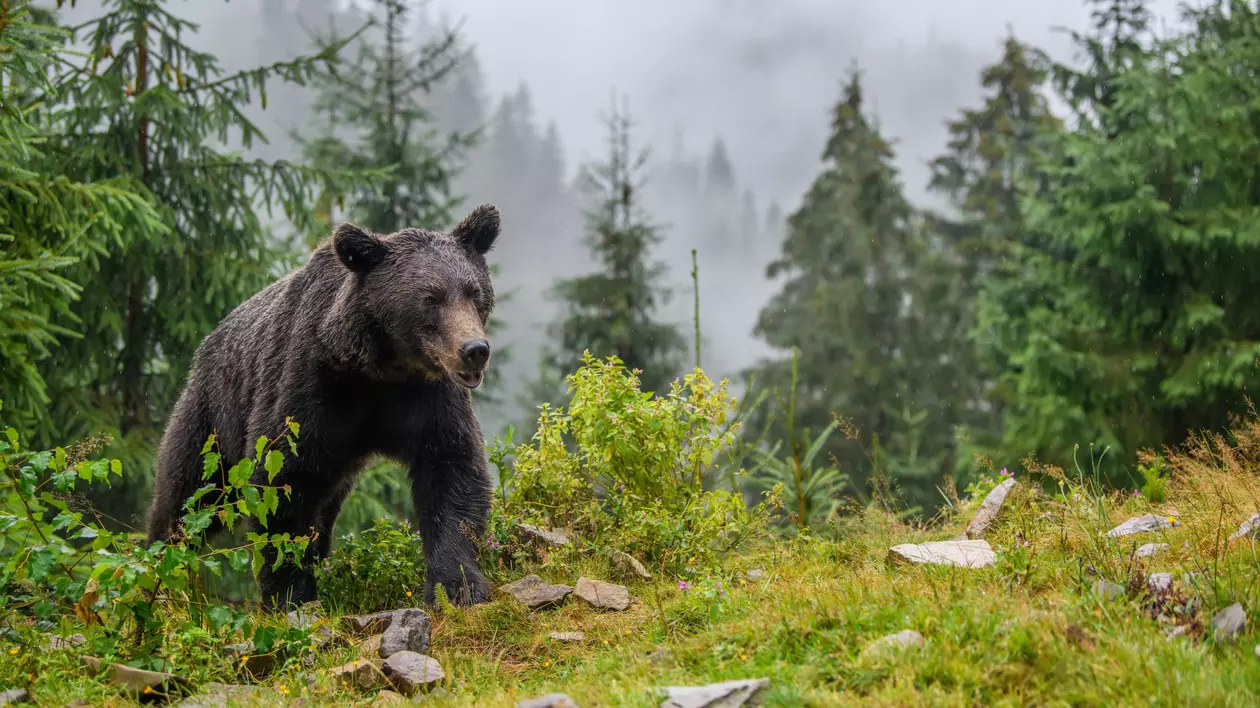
pixel 475 353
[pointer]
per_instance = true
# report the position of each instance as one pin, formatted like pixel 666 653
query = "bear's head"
pixel 427 294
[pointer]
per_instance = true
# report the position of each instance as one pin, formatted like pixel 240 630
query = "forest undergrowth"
pixel 1064 615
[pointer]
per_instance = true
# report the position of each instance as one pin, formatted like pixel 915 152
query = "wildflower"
pixel 743 657
pixel 605 642
pixel 547 663
pixel 1172 520
pixel 408 593
pixel 13 652
pixel 1137 493
pixel 148 689
pixel 245 658
pixel 1005 473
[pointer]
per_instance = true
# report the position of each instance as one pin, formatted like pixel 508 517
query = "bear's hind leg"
pixel 179 466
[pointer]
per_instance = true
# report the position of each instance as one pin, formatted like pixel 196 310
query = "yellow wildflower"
pixel 13 652
pixel 1172 520
pixel 408 594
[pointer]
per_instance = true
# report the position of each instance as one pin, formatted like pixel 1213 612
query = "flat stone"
pixel 756 574
pixel 1107 589
pixel 989 509
pixel 13 696
pixel 602 595
pixel 541 537
pixel 1249 528
pixel 551 700
pixel 147 686
pixel 1142 524
pixel 219 695
pixel 408 631
pixel 361 674
pixel 1229 623
pixel 55 642
pixel 727 694
pixel 906 638
pixel 385 698
pixel 568 637
pixel 535 593
pixel 1177 631
pixel 410 672
pixel 1149 549
pixel 374 623
pixel 965 554
pixel 629 565
pixel 1159 582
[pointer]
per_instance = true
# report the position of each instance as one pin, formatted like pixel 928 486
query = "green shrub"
pixel 57 562
pixel 381 567
pixel 623 469
pixel 1154 480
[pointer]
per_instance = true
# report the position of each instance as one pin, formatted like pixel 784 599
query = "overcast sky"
pixel 761 73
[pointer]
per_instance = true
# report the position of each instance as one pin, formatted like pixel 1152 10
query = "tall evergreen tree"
pixel 719 173
pixel 612 312
pixel 49 222
pixel 990 165
pixel 375 119
pixel 146 105
pixel 857 303
pixel 1140 320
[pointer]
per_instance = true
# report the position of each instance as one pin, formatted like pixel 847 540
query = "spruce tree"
pixel 859 302
pixel 374 116
pixel 145 106
pixel 989 167
pixel 613 311
pixel 49 222
pixel 1138 323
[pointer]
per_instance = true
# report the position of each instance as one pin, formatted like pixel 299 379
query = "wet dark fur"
pixel 356 346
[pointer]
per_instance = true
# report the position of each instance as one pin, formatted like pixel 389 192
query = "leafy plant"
pixel 70 563
pixel 1154 480
pixel 625 469
pixel 810 490
pixel 375 569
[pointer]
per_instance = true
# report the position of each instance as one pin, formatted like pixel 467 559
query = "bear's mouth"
pixel 469 380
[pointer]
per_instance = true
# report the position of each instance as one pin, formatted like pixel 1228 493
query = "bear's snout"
pixel 475 353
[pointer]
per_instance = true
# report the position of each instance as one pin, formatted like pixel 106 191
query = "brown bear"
pixel 373 347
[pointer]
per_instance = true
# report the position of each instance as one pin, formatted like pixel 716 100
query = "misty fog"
pixel 761 77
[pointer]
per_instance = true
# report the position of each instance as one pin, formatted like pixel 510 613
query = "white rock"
pixel 901 640
pixel 966 554
pixel 728 694
pixel 1159 582
pixel 1250 528
pixel 1142 524
pixel 1229 623
pixel 1149 549
pixel 989 509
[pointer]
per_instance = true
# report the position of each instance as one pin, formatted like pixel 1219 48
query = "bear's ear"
pixel 358 250
pixel 479 229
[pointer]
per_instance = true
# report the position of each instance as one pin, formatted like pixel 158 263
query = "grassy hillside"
pixel 1065 614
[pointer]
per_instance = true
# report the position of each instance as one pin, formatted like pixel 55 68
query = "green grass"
pixel 1026 632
